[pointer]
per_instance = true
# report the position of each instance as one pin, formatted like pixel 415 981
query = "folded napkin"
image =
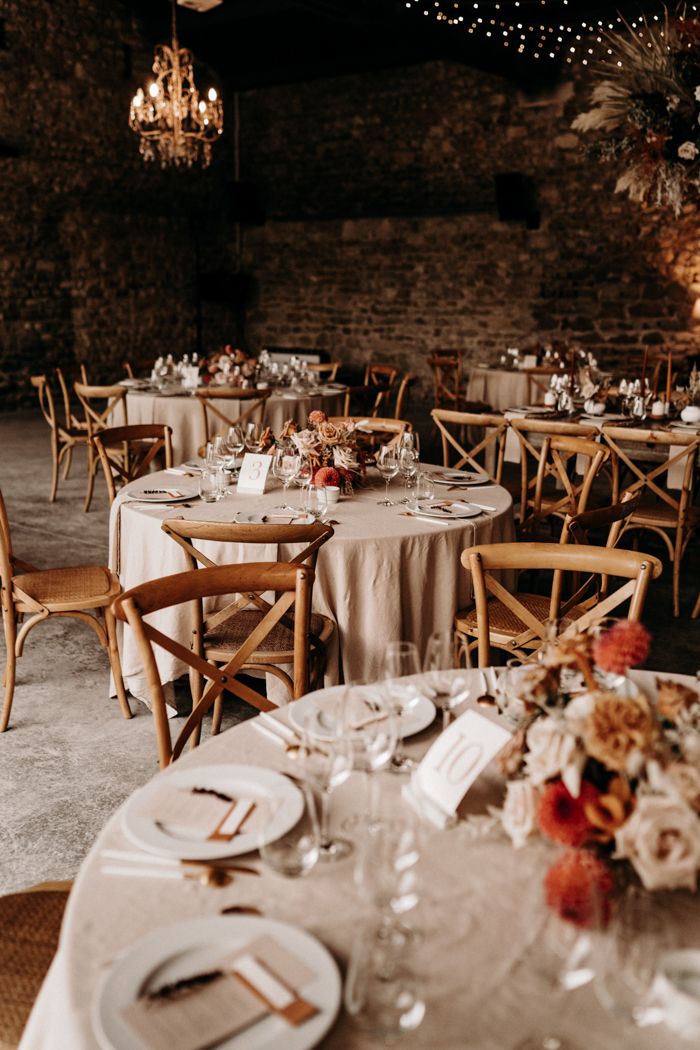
pixel 202 813
pixel 203 1010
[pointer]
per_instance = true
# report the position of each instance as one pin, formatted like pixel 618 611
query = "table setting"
pixel 456 924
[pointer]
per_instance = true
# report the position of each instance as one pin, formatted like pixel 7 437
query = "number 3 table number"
pixel 453 763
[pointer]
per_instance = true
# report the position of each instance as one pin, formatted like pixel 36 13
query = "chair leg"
pixel 67 464
pixel 696 610
pixel 54 470
pixel 8 678
pixel 92 464
pixel 113 651
pixel 216 715
pixel 677 556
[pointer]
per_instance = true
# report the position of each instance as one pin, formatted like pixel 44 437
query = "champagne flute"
pixel 326 760
pixel 401 692
pixel 408 468
pixel 388 467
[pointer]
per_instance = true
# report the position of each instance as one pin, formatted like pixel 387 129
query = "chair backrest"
pixel 446 366
pixel 577 527
pixel 455 429
pixel 632 449
pixel 367 400
pixel 635 568
pixel 136 447
pixel 380 375
pixel 183 531
pixel 546 451
pixel 406 383
pixel 213 415
pixel 6 559
pixel 384 429
pixel 100 403
pixel 291 585
pixel 327 370
pixel 46 401
pixel 72 421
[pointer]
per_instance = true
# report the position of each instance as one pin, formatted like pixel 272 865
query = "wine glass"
pixel 382 994
pixel 410 440
pixel 252 436
pixel 371 726
pixel 326 759
pixel 216 452
pixel 408 468
pixel 285 465
pixel 386 872
pixel 302 478
pixel 401 692
pixel 446 689
pixel 388 467
pixel 296 852
pixel 316 502
pixel 235 443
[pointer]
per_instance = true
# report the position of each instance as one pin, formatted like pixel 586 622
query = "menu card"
pixel 452 765
pixel 202 1010
pixel 253 474
pixel 206 814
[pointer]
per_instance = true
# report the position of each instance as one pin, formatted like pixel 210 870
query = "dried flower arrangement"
pixel 605 772
pixel 331 448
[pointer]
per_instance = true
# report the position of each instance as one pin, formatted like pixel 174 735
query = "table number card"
pixel 253 475
pixel 453 763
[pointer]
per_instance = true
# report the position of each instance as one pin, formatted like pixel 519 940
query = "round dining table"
pixel 183 413
pixel 384 575
pixel 479 917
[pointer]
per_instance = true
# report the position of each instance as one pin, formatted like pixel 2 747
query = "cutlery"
pixel 431 521
pixel 207 876
pixel 283 734
pixel 487 699
pixel 173 863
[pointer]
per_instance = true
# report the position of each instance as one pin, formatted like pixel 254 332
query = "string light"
pixel 560 35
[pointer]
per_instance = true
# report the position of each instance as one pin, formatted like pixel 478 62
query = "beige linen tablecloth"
pixel 382 577
pixel 480 913
pixel 183 413
pixel 498 387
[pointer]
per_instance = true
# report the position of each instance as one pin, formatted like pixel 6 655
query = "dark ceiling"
pixel 253 43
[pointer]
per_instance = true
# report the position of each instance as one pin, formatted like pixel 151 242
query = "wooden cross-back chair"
pixel 217 636
pixel 71 419
pixel 402 391
pixel 103 406
pixel 367 399
pixel 31 595
pixel 538 382
pixel 487 455
pixel 501 620
pixel 644 458
pixel 446 366
pixel 325 370
pixel 372 431
pixel 548 454
pixel 291 585
pixel 380 375
pixel 578 528
pixel 250 408
pixel 126 453
pixel 63 438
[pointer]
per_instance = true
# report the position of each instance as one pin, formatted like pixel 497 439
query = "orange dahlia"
pixel 625 645
pixel 326 476
pixel 562 817
pixel 578 888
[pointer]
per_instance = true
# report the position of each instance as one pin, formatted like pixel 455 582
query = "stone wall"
pixel 386 242
pixel 97 252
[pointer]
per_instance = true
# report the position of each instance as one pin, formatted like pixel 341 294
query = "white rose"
pixel 697 93
pixel 519 811
pixel 550 750
pixel 305 441
pixel 345 457
pixel 688 151
pixel 662 841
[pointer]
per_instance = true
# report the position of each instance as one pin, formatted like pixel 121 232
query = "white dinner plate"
pixel 685 426
pixel 195 946
pixel 243 518
pixel 238 781
pixel 135 384
pixel 159 495
pixel 460 477
pixel 457 509
pixel 308 712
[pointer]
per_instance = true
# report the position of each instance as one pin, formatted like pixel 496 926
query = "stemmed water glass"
pixel 446 689
pixel 388 467
pixel 326 758
pixel 371 726
pixel 235 443
pixel 408 468
pixel 253 434
pixel 401 692
pixel 302 478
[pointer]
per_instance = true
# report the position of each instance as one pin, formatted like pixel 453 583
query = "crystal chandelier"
pixel 173 122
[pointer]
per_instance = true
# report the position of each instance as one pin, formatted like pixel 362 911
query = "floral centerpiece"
pixel 331 448
pixel 605 772
pixel 646 111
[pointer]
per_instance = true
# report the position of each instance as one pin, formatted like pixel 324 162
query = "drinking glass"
pixel 444 687
pixel 388 467
pixel 216 452
pixel 326 760
pixel 235 443
pixel 425 489
pixel 302 478
pixel 285 465
pixel 211 484
pixel 401 692
pixel 316 502
pixel 382 994
pixel 297 851
pixel 371 726
pixel 408 468
pixel 252 436
pixel 410 439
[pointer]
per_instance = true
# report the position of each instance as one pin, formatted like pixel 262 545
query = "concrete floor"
pixel 69 758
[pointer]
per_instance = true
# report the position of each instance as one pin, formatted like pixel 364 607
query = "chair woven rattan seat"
pixel 279 643
pixel 29 927
pixel 501 618
pixel 67 585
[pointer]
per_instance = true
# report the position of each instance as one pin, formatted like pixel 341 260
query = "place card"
pixel 452 765
pixel 253 474
pixel 202 1010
